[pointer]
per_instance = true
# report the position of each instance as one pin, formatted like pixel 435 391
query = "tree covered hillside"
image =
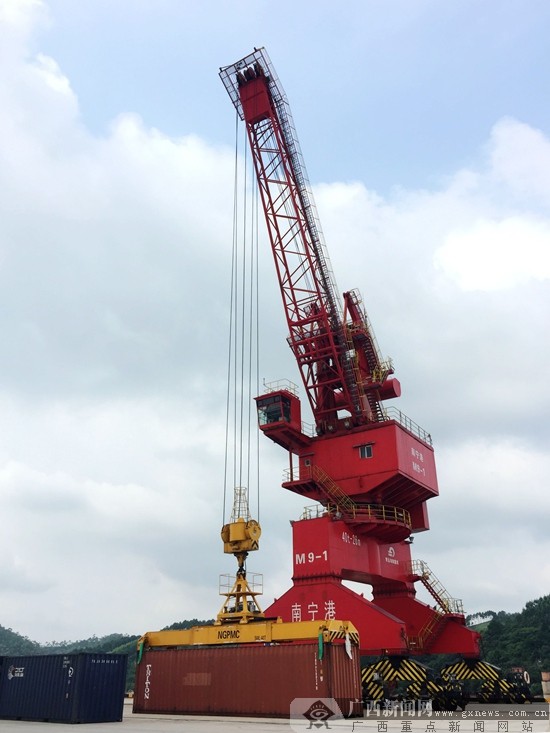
pixel 520 639
pixel 13 644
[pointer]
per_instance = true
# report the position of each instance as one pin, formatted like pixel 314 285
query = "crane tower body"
pixel 369 469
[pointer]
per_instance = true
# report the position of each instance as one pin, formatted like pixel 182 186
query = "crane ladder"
pixel 435 588
pixel 331 489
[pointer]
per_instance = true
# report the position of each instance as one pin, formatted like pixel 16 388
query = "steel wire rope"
pixel 253 331
pixel 258 345
pixel 231 311
pixel 250 339
pixel 249 342
pixel 242 308
pixel 243 305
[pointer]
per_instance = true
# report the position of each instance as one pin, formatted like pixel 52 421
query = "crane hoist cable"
pixel 241 533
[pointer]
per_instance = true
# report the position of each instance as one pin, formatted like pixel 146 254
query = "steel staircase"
pixel 332 491
pixel 421 571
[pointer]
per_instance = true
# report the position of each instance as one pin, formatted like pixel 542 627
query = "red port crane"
pixel 370 469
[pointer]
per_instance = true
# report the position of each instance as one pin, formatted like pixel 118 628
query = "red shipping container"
pixel 246 680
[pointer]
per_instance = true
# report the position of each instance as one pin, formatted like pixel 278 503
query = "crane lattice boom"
pixel 326 348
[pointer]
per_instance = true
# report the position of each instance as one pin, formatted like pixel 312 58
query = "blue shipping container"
pixel 63 688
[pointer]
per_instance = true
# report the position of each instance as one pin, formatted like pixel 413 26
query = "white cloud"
pixel 20 18
pixel 520 160
pixel 114 259
pixel 489 539
pixel 49 72
pixel 493 255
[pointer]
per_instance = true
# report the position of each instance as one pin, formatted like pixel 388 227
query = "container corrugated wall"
pixel 246 680
pixel 101 684
pixel 64 688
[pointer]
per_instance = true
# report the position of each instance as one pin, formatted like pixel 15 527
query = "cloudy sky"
pixel 426 130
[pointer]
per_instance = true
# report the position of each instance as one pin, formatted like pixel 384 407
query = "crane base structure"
pixel 394 622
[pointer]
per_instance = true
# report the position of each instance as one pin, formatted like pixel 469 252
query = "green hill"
pixel 520 639
pixel 13 644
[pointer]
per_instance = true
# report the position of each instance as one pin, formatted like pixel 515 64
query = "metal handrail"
pixel 347 507
pixel 308 429
pixel 419 642
pixel 392 413
pixel 381 513
pixel 255 583
pixel 389 413
pixel 314 511
pixel 374 512
pixel 448 605
pixel 281 385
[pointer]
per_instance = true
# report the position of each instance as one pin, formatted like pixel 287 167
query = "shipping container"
pixel 63 688
pixel 254 680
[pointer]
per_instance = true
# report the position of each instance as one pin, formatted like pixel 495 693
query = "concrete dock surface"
pixel 518 723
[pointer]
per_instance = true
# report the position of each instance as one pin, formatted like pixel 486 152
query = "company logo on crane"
pixel 390 557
